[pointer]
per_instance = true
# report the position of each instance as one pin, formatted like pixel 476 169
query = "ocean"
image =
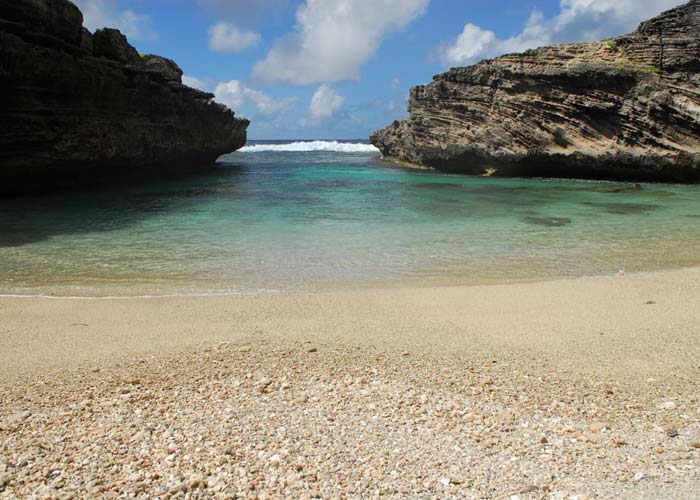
pixel 311 215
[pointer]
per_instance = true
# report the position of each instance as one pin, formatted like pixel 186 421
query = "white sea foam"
pixel 305 146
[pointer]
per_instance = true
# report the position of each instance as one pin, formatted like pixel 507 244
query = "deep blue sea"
pixel 287 215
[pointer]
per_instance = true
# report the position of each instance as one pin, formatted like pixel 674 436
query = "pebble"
pixel 17 417
pixel 5 479
pixel 596 427
pixel 667 405
pixel 346 424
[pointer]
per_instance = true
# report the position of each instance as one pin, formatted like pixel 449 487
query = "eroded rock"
pixel 626 108
pixel 79 107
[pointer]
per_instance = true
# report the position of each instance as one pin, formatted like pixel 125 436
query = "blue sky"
pixel 324 69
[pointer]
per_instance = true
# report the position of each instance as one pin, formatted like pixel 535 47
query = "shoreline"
pixel 343 287
pixel 544 312
pixel 548 389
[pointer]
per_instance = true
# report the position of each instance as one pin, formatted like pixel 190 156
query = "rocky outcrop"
pixel 625 108
pixel 78 107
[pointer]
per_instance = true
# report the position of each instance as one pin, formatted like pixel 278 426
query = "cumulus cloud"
pixel 104 13
pixel 470 44
pixel 226 37
pixel 578 20
pixel 333 39
pixel 236 95
pixel 193 82
pixel 325 103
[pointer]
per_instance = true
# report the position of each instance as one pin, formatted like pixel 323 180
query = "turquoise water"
pixel 281 220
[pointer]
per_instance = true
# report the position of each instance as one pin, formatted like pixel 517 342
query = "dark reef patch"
pixel 625 208
pixel 547 221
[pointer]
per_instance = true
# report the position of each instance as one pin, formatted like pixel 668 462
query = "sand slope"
pixel 581 387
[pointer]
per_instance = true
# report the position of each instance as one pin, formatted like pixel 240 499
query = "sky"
pixel 340 69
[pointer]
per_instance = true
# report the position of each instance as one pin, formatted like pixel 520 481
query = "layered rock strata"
pixel 626 108
pixel 77 106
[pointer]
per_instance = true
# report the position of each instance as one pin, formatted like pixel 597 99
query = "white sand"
pixel 484 391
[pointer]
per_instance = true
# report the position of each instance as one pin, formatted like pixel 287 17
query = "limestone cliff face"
pixel 78 106
pixel 625 108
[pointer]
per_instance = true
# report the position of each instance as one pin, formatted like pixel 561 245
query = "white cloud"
pixel 226 37
pixel 105 14
pixel 578 20
pixel 193 82
pixel 325 103
pixel 470 44
pixel 333 39
pixel 236 95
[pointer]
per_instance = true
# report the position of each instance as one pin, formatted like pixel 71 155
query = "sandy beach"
pixel 567 389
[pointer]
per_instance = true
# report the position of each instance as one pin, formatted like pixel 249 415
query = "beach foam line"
pixel 363 287
pixel 307 146
pixel 231 293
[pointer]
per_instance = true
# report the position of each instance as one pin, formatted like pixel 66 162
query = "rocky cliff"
pixel 77 107
pixel 625 108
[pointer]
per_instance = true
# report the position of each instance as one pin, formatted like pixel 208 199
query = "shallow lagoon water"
pixel 273 219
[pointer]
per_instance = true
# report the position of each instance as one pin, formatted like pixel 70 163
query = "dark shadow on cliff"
pixel 620 169
pixel 29 219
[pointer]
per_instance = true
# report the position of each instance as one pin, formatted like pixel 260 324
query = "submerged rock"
pixel 79 107
pixel 618 189
pixel 625 208
pixel 547 221
pixel 626 108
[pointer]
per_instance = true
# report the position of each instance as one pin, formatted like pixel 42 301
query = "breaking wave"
pixel 305 146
